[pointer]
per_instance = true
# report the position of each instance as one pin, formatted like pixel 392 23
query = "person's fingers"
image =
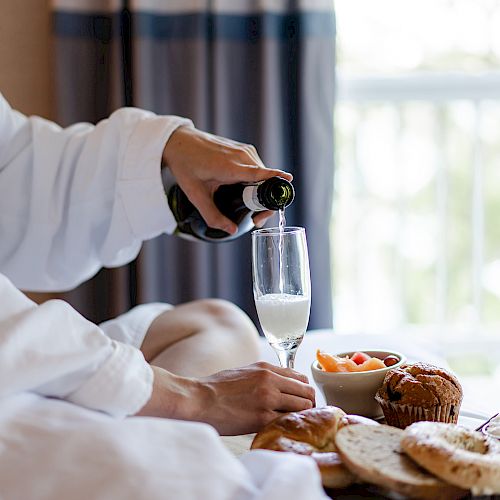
pixel 243 153
pixel 260 218
pixel 250 156
pixel 295 388
pixel 285 372
pixel 210 213
pixel 248 149
pixel 294 403
pixel 252 153
pixel 252 173
pixel 214 218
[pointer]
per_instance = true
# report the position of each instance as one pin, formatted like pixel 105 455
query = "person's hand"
pixel 201 162
pixel 236 401
pixel 243 400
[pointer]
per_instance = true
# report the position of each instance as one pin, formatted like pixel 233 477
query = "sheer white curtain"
pixel 416 245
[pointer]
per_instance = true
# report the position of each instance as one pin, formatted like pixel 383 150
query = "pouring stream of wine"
pixel 282 223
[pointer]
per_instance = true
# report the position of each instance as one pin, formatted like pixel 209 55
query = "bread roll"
pixel 312 432
pixel 458 455
pixel 375 455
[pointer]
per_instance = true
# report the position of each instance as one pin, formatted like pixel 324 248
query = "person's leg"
pixel 200 338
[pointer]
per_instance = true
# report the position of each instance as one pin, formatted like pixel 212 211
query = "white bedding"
pixel 51 449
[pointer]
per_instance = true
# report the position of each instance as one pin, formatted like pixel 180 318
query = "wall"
pixel 25 56
pixel 25 61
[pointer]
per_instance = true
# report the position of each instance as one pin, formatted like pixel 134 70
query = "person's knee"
pixel 225 312
pixel 219 336
pixel 230 317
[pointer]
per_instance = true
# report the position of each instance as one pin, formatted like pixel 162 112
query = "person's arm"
pixel 76 199
pixel 235 401
pixel 53 351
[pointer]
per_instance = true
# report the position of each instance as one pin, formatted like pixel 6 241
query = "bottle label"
pixel 251 200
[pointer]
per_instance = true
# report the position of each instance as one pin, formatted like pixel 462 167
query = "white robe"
pixel 71 201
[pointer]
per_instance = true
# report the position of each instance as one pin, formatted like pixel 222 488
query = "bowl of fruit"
pixel 350 380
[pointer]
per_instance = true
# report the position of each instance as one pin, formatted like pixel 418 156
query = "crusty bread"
pixel 316 427
pixel 374 454
pixel 458 455
pixel 312 432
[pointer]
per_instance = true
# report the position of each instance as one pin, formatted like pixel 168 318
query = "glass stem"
pixel 287 358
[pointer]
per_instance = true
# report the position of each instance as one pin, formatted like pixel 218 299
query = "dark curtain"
pixel 261 76
pixel 89 85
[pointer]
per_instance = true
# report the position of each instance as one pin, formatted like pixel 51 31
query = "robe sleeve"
pixel 55 352
pixel 76 199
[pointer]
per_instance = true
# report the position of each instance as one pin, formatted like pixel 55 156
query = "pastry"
pixel 419 391
pixel 312 432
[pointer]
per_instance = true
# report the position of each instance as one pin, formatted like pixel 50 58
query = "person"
pixel 76 199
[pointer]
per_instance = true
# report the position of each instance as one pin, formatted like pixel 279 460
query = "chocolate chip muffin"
pixel 419 391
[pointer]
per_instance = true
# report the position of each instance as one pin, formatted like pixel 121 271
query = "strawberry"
pixel 360 357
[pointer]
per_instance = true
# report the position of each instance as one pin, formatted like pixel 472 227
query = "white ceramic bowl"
pixel 354 392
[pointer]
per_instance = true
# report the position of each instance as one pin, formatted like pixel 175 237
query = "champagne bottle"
pixel 237 202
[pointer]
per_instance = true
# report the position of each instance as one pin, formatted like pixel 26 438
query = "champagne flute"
pixel 282 288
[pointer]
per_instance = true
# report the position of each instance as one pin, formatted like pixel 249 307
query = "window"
pixel 416 221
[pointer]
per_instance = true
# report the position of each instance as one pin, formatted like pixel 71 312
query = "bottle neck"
pixel 274 194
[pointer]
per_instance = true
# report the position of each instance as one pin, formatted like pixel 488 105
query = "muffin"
pixel 419 391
